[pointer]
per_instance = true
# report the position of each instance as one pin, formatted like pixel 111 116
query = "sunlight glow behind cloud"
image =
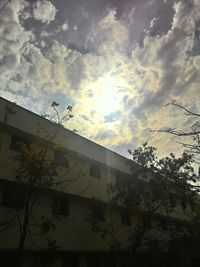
pixel 106 97
pixel 118 67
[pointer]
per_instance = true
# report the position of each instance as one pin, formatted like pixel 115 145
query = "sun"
pixel 106 97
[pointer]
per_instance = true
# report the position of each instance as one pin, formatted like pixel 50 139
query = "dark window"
pixel 121 179
pixel 108 260
pixel 178 227
pixel 125 217
pixel 125 260
pixel 16 142
pixel 1 139
pixel 95 171
pixel 60 205
pixel 98 212
pixel 60 158
pixel 164 225
pixel 94 260
pixel 9 259
pixel 70 260
pixel 98 260
pixel 12 198
pixel 196 262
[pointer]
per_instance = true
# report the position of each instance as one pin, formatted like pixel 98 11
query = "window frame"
pixel 126 218
pixel 16 141
pixel 95 171
pixel 60 205
pixel 60 158
pixel 98 212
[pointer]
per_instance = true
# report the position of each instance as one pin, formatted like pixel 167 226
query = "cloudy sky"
pixel 117 62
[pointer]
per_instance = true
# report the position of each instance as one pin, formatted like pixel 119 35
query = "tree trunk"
pixel 23 235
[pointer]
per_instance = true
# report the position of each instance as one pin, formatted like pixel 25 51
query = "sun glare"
pixel 107 100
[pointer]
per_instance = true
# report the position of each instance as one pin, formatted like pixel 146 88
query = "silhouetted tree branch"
pixel 193 133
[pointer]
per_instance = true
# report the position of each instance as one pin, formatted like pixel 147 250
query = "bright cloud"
pixel 44 11
pixel 119 67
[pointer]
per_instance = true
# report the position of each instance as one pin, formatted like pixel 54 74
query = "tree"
pixel 154 190
pixel 36 170
pixel 190 138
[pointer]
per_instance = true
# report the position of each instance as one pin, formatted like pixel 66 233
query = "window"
pixel 98 212
pixel 178 228
pixel 93 260
pixel 9 259
pixel 12 198
pixel 95 171
pixel 195 262
pixel 108 260
pixel 121 179
pixel 1 139
pixel 101 259
pixel 125 217
pixel 60 205
pixel 70 260
pixel 164 225
pixel 60 158
pixel 16 142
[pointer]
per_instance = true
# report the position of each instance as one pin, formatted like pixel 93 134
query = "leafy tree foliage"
pixel 154 190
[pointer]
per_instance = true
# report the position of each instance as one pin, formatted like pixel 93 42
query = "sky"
pixel 117 62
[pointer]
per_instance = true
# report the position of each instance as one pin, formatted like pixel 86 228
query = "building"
pixel 60 234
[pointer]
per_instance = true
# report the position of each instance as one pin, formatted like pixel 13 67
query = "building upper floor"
pixel 30 123
pixel 84 167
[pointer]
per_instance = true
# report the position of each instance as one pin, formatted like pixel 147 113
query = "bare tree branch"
pixel 188 112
